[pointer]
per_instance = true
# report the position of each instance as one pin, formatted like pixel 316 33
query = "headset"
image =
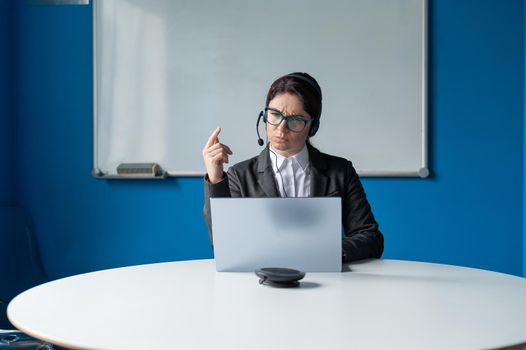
pixel 316 119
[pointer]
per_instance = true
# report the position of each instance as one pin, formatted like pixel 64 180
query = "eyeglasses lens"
pixel 294 123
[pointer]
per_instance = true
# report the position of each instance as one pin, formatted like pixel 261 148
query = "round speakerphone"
pixel 279 277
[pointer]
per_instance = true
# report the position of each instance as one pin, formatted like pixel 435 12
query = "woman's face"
pixel 286 142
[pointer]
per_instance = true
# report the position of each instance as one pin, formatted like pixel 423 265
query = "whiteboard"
pixel 168 72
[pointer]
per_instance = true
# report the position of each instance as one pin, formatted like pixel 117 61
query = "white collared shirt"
pixel 292 173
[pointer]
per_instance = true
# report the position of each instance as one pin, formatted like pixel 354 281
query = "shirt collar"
pixel 302 157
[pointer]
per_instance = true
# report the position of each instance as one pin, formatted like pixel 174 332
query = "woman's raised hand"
pixel 215 154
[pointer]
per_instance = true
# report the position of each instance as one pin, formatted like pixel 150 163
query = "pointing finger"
pixel 213 138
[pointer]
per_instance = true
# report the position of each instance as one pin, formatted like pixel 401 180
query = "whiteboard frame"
pixel 422 172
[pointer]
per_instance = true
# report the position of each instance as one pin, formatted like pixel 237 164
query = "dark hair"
pixel 306 88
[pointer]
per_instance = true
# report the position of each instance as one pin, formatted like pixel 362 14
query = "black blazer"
pixel 330 177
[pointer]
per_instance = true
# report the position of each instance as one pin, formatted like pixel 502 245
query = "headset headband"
pixel 310 81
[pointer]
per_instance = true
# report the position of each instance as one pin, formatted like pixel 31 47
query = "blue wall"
pixel 6 107
pixel 468 213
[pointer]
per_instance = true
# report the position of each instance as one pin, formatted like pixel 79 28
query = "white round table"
pixel 379 304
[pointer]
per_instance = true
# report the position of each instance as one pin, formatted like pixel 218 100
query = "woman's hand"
pixel 215 154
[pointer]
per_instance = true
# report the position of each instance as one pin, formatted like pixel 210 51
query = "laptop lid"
pixel 298 233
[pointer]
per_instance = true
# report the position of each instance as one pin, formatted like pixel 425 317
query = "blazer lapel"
pixel 266 177
pixel 319 180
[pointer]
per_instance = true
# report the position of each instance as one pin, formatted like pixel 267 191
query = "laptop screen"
pixel 298 233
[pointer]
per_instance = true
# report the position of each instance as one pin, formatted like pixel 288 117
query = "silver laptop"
pixel 298 233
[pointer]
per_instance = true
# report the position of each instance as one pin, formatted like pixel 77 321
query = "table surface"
pixel 378 304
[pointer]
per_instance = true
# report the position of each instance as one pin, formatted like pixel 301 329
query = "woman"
pixel 291 167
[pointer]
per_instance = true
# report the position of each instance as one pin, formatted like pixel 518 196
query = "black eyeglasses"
pixel 295 123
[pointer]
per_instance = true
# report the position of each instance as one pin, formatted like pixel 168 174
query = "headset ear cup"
pixel 314 127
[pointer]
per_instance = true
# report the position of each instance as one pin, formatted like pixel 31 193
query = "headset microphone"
pixel 260 140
